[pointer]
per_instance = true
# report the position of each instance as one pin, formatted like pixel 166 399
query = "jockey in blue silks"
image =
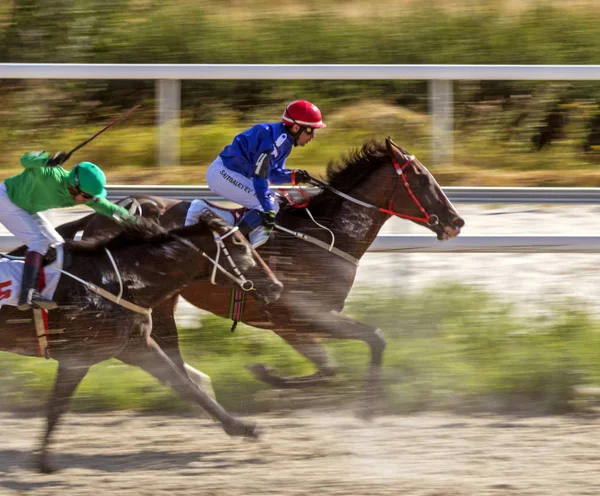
pixel 243 170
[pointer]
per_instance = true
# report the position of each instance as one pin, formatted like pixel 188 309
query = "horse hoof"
pixel 250 430
pixel 46 468
pixel 259 370
pixel 259 433
pixel 366 413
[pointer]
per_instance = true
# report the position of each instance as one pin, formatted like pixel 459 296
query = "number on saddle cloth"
pixel 11 271
pixel 230 215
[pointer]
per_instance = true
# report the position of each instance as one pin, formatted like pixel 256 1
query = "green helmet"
pixel 88 178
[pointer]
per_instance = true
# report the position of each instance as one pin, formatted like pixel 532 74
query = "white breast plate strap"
pixel 320 244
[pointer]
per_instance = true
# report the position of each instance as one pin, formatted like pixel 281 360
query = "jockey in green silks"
pixel 43 185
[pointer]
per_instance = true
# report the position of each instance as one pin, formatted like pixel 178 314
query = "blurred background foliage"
pixel 506 132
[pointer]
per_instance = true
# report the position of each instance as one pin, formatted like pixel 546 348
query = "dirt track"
pixel 308 453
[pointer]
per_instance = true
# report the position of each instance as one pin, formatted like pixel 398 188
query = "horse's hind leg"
pixel 334 325
pixel 308 346
pixel 68 378
pixel 153 360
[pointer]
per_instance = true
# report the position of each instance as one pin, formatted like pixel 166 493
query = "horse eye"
pixel 424 181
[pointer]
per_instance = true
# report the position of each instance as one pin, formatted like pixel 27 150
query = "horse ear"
pixel 150 210
pixel 390 145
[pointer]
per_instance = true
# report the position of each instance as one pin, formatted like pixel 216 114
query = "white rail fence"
pixel 169 76
pixel 392 243
pixel 456 194
pixel 408 243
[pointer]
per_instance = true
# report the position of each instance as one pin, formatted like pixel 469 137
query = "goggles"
pixel 85 195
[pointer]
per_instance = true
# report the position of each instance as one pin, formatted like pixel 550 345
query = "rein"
pixel 107 294
pixel 238 278
pixel 431 220
pixel 96 289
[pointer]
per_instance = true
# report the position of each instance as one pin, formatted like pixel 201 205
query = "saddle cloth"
pixel 233 215
pixel 197 207
pixel 11 272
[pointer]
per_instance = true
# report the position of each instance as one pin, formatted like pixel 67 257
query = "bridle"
pixel 237 277
pixel 431 220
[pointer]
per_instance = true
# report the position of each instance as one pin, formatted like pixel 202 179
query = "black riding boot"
pixel 30 297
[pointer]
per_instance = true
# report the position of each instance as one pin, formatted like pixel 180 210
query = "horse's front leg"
pixel 164 332
pixel 68 377
pixel 334 325
pixel 146 354
pixel 342 327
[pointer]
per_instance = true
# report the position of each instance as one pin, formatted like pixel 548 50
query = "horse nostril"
pixel 275 288
pixel 458 222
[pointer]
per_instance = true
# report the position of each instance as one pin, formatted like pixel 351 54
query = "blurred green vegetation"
pixel 459 350
pixel 506 132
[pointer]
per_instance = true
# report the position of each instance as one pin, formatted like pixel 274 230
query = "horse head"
pixel 233 260
pixel 412 192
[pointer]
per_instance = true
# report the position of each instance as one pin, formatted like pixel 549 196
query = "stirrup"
pixel 258 236
pixel 36 300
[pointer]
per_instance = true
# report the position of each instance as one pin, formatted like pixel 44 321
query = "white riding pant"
pixel 233 186
pixel 33 230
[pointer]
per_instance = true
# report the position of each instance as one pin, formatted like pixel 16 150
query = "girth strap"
pixel 319 243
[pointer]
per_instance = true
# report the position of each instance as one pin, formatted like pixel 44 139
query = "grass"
pixel 483 156
pixel 461 350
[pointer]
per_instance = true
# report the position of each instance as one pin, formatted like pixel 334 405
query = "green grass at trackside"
pixel 482 156
pixel 457 350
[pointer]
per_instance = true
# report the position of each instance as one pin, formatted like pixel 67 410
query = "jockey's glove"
pixel 58 159
pixel 301 176
pixel 269 219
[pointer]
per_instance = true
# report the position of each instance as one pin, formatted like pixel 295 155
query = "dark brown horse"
pixel 146 266
pixel 371 185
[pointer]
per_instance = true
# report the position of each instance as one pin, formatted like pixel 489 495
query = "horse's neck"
pixel 357 226
pixel 146 278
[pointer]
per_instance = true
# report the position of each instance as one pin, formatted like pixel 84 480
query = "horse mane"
pixel 207 221
pixel 131 233
pixel 349 171
pixel 356 166
pixel 143 231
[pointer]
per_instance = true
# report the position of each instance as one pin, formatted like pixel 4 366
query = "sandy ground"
pixel 311 452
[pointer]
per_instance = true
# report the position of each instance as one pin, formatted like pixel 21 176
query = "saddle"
pixel 293 198
pixel 18 255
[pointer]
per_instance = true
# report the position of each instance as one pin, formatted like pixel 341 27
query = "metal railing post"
pixel 168 94
pixel 441 104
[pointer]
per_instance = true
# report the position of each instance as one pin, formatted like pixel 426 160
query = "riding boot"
pixel 30 297
pixel 259 236
pixel 250 226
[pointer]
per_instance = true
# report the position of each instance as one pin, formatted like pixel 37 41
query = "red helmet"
pixel 304 114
